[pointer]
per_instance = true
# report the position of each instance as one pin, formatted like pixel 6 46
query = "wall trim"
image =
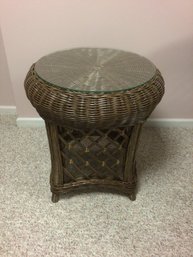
pixel 7 109
pixel 184 123
pixel 30 122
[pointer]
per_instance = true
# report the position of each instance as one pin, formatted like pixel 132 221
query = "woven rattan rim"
pixel 87 111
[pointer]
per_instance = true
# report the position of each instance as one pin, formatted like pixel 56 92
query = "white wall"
pixel 161 30
pixel 6 91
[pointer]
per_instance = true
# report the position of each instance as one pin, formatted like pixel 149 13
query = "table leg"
pixel 56 176
pixel 130 163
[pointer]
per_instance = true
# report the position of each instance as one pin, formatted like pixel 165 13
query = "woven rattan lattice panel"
pixel 93 154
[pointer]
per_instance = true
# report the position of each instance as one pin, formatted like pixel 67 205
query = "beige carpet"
pixel 158 223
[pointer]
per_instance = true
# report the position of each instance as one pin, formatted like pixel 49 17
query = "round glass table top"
pixel 96 70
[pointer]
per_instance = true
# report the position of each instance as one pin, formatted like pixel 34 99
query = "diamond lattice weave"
pixel 93 154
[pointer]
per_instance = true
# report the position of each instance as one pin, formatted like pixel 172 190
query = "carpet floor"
pixel 158 223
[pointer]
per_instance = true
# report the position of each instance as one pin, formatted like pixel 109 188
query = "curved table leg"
pixel 55 197
pixel 130 173
pixel 56 176
pixel 132 197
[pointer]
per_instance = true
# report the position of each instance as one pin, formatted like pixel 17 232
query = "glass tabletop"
pixel 96 70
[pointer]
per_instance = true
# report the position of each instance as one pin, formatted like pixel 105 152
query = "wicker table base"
pixel 102 158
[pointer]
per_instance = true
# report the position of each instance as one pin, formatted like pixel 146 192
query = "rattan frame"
pixel 79 111
pixel 128 173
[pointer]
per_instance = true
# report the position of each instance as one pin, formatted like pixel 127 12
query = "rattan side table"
pixel 94 102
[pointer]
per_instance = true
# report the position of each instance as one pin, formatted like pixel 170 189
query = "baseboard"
pixel 6 109
pixel 184 123
pixel 30 122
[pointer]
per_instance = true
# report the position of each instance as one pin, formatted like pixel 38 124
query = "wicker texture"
pixel 102 158
pixel 93 137
pixel 81 110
